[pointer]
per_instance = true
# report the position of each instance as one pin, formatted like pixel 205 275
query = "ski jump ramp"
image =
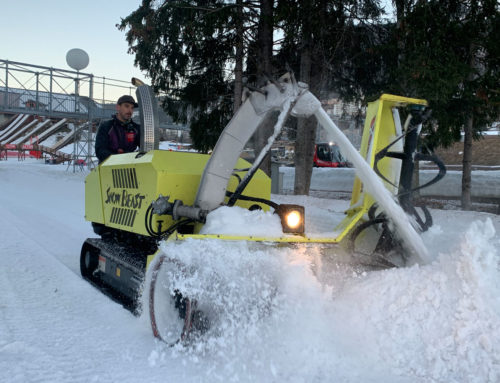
pixel 53 129
pixel 68 138
pixel 20 132
pixel 14 126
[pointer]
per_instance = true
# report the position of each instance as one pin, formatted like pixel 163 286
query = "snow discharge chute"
pixel 138 201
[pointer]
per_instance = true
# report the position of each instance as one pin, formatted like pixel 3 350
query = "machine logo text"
pixel 124 198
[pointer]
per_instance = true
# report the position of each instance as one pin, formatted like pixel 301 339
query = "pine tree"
pixel 188 49
pixel 450 58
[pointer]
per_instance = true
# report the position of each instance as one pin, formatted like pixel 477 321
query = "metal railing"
pixel 60 93
pixel 54 92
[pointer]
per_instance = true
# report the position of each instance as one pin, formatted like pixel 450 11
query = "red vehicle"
pixel 327 155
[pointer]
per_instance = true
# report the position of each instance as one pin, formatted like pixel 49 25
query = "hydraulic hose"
pixel 161 233
pixel 408 157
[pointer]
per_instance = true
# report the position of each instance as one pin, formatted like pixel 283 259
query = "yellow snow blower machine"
pixel 138 200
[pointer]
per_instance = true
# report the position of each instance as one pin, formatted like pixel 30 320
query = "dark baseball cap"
pixel 127 98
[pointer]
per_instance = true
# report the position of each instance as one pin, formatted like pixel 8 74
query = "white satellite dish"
pixel 77 59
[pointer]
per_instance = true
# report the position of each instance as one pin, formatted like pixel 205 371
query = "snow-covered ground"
pixel 296 314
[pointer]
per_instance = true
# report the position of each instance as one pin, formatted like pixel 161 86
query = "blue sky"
pixel 42 32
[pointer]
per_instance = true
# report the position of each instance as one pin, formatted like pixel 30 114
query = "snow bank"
pixel 440 322
pixel 238 221
pixel 484 183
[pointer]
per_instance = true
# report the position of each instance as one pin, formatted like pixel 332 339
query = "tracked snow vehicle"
pixel 137 200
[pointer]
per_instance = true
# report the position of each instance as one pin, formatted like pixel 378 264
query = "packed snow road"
pixel 285 314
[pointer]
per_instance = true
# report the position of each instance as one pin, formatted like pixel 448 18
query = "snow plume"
pixel 440 322
pixel 238 289
pixel 270 317
pixel 273 320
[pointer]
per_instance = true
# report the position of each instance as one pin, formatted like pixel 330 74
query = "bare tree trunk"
pixel 238 67
pixel 400 12
pixel 401 9
pixel 467 164
pixel 306 132
pixel 264 67
pixel 306 127
pixel 304 152
pixel 468 135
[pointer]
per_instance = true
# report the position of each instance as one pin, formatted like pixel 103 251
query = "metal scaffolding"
pixel 60 93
